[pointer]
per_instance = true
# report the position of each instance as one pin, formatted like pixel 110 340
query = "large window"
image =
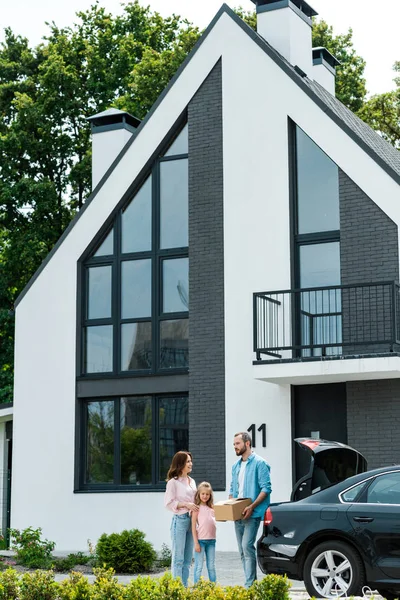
pixel 317 248
pixel 135 284
pixel 129 442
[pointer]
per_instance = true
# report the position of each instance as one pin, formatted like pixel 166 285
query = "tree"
pixel 382 112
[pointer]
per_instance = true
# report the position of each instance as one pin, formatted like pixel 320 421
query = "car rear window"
pixel 333 466
pixel 351 494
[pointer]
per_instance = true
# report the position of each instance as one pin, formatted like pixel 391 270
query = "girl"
pixel 204 531
pixel 179 498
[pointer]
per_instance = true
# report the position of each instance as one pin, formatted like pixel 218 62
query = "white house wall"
pixel 257 99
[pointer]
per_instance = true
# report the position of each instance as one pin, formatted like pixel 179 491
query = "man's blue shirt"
pixel 256 479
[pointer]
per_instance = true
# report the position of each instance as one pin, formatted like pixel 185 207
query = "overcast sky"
pixel 375 26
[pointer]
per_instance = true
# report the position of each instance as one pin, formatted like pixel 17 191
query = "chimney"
pixel 111 130
pixel 324 68
pixel 286 25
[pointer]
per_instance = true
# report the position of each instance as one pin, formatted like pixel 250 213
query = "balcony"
pixel 334 333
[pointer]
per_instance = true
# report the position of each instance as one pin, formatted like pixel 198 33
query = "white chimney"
pixel 286 25
pixel 111 130
pixel 324 69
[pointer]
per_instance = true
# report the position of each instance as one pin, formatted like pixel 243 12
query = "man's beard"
pixel 240 451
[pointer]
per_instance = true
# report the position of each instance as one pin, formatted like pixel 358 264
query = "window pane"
pixel 107 247
pixel 176 285
pixel 135 346
pixel 385 489
pixel 174 344
pixel 136 221
pixel 173 417
pixel 180 145
pixel 136 289
pixel 317 187
pixel 99 349
pixel 136 443
pixel 174 203
pixel 352 494
pixel 320 265
pixel 99 292
pixel 100 442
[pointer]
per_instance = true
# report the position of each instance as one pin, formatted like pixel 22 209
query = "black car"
pixel 341 531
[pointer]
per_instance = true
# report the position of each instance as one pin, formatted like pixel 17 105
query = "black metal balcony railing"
pixel 327 321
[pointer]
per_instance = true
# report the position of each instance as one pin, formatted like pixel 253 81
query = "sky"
pixel 375 29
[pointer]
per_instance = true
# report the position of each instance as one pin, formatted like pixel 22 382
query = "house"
pixel 247 175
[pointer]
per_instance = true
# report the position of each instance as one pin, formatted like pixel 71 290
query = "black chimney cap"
pixel 322 55
pixel 113 119
pixel 300 4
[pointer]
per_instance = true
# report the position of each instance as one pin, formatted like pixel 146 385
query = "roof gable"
pixel 385 155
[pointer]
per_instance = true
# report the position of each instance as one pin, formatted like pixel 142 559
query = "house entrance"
pixel 319 411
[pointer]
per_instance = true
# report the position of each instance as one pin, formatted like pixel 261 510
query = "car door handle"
pixel 363 519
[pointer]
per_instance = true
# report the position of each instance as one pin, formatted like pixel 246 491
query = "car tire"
pixel 333 569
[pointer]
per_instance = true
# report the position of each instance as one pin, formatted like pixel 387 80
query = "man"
pixel 250 479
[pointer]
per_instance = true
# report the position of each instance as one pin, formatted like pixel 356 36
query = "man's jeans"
pixel 246 533
pixel 208 549
pixel 182 546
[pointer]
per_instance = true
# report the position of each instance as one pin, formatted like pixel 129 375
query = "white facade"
pixel 257 257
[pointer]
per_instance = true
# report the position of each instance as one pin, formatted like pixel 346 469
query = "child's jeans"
pixel 207 548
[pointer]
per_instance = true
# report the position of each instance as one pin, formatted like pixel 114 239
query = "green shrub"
pixel 106 586
pixel 205 590
pixel 171 589
pixel 31 550
pixel 165 557
pixel 142 588
pixel 9 585
pixel 63 565
pixel 126 552
pixel 76 587
pixel 272 587
pixel 236 592
pixel 39 585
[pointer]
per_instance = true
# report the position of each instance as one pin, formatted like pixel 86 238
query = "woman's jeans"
pixel 182 546
pixel 246 533
pixel 207 548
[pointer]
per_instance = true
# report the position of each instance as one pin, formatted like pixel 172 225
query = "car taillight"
pixel 268 517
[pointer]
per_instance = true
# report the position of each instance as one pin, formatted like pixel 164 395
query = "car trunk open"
pixel 330 463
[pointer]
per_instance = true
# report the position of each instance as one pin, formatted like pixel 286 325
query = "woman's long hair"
pixel 204 485
pixel 178 464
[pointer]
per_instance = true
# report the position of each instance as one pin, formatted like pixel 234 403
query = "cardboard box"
pixel 230 510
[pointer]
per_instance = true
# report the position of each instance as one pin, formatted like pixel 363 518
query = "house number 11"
pixel 263 430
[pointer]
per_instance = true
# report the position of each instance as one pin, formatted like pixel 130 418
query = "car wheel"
pixel 333 569
pixel 389 594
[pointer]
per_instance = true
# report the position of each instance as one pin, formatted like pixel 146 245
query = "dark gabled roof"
pixel 371 142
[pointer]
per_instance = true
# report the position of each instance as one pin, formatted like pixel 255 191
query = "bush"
pixel 39 585
pixel 31 550
pixel 142 588
pixel 126 552
pixel 62 565
pixel 205 590
pixel 165 557
pixel 76 587
pixel 9 585
pixel 106 586
pixel 172 589
pixel 272 587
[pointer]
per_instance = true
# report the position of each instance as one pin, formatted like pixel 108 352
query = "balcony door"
pixel 316 227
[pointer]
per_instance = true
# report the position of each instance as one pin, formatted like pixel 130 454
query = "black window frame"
pixel 301 239
pixel 156 255
pixel 117 486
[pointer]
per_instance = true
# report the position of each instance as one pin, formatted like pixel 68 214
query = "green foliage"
pixel 165 557
pixel 76 587
pixel 62 565
pixel 171 589
pixel 382 112
pixel 142 588
pixel 9 585
pixel 350 83
pixel 126 552
pixel 272 587
pixel 204 590
pixel 106 586
pixel 39 585
pixel 31 550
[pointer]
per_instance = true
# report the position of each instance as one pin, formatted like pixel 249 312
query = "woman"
pixel 179 498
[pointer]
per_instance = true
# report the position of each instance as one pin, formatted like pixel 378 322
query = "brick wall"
pixel 373 419
pixel 206 283
pixel 368 253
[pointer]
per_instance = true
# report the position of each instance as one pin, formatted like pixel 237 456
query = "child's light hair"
pixel 204 485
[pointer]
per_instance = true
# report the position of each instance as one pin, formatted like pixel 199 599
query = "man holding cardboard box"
pixel 250 479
